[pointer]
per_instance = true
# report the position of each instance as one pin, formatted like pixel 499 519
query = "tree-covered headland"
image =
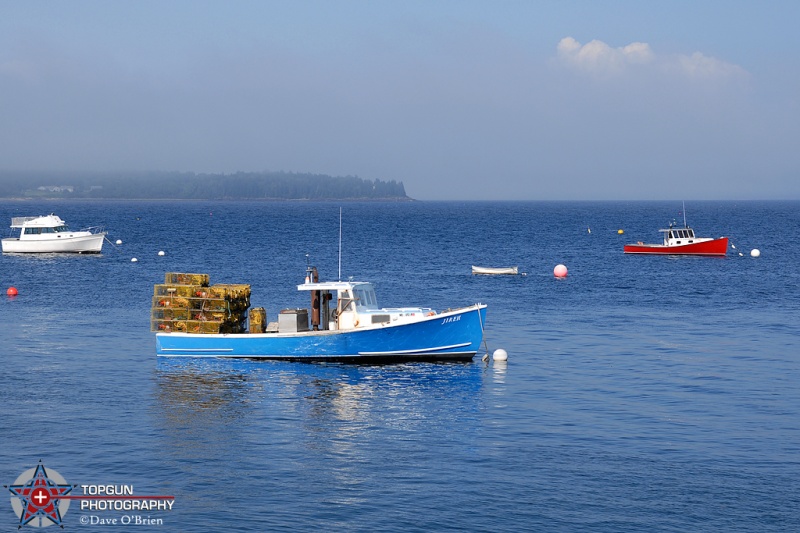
pixel 193 186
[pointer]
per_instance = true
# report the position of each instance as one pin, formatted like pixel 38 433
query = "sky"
pixel 459 100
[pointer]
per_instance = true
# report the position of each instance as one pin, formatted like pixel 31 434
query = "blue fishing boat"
pixel 344 324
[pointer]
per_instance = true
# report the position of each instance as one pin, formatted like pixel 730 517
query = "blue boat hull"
pixel 454 335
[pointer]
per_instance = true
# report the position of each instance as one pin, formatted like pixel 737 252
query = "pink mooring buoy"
pixel 560 271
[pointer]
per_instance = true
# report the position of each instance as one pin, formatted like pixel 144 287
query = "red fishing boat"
pixel 681 241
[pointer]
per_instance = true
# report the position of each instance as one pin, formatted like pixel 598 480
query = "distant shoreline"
pixel 238 199
pixel 254 186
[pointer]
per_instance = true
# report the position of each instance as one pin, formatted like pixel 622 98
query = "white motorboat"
pixel 50 234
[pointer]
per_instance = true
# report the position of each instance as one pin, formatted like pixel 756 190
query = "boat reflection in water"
pixel 199 401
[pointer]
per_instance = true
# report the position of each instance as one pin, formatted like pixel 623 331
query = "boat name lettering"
pixel 451 319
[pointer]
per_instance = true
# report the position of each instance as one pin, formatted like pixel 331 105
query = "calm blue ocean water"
pixel 641 393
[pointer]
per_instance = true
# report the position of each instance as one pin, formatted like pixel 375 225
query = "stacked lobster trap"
pixel 188 303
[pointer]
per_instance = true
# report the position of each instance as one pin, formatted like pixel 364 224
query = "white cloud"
pixel 698 65
pixel 598 58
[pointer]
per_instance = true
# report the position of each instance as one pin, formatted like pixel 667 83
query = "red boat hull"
pixel 712 247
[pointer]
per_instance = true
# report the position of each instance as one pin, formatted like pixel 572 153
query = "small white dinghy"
pixel 495 271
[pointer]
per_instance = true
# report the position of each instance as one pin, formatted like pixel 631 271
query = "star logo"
pixel 37 497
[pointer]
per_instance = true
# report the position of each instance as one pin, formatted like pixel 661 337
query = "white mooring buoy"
pixel 134 260
pixel 755 252
pixel 161 252
pixel 500 355
pixel 119 241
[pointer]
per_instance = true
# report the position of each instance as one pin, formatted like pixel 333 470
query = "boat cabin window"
pixel 347 301
pixel 365 297
pixel 33 231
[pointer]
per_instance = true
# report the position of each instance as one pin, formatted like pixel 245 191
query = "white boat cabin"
pixel 675 236
pixel 338 305
pixel 30 226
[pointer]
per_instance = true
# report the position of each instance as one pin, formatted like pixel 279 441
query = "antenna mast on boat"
pixel 340 244
pixel 684 213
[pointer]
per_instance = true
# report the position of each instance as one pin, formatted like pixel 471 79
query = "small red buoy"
pixel 11 291
pixel 560 271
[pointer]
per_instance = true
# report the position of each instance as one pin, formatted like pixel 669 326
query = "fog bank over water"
pixel 455 100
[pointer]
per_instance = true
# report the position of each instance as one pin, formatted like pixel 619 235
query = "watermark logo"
pixel 39 497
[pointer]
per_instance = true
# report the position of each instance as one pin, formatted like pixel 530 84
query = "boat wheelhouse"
pixel 355 306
